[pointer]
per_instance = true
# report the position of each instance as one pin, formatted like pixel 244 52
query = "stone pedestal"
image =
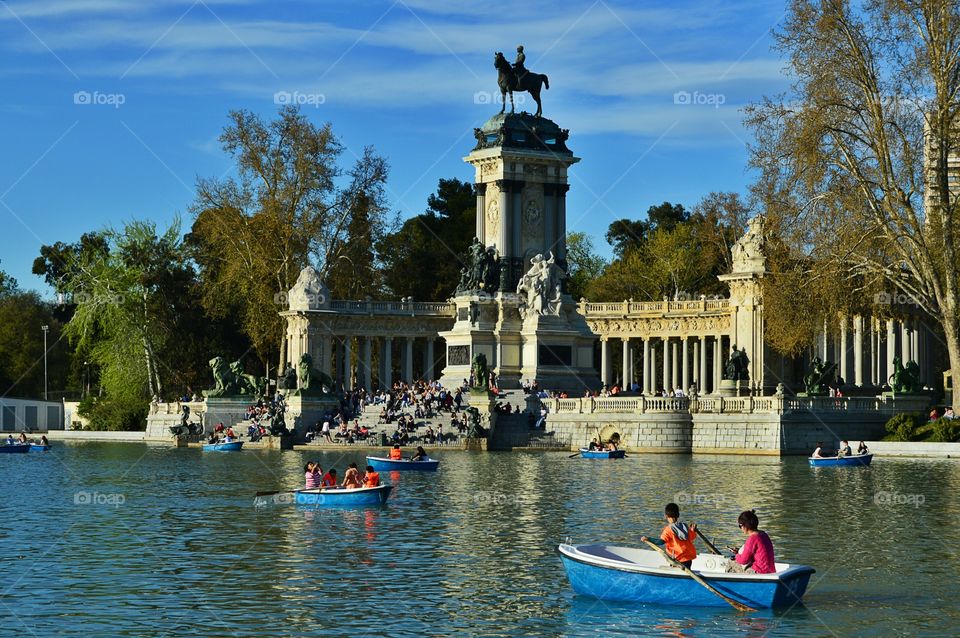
pixel 227 410
pixel 304 411
pixel 731 388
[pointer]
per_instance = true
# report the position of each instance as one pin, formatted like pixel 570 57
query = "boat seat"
pixel 710 563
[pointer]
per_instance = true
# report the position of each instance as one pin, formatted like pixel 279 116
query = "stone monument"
pixel 511 304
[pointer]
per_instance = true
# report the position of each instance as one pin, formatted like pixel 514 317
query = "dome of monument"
pixel 522 131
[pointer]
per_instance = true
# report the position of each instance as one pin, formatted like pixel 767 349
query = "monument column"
pixel 704 379
pixel 666 363
pixel 408 360
pixel 481 233
pixel 646 366
pixel 717 359
pixel 347 363
pixel 674 367
pixel 428 364
pixel 626 363
pixel 904 342
pixel 686 364
pixel 858 351
pixel 327 356
pixel 605 362
pixel 367 375
pixel 891 348
pixel 844 360
pixel 387 356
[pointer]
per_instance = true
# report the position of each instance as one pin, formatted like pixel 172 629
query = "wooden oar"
pixel 733 603
pixel 574 455
pixel 275 492
pixel 706 540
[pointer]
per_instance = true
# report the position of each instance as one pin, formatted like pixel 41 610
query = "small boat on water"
pixel 232 446
pixel 382 464
pixel 342 497
pixel 39 447
pixel 857 460
pixel 15 448
pixel 608 572
pixel 602 454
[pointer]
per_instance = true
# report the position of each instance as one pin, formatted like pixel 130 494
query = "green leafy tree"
pixel 423 258
pixel 252 235
pixel 855 161
pixel 583 263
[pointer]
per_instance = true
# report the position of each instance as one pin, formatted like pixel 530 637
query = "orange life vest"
pixel 372 480
pixel 396 454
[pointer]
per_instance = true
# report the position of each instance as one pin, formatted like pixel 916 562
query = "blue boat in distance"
pixel 16 448
pixel 343 497
pixel 628 574
pixel 232 446
pixel 37 447
pixel 855 460
pixel 602 454
pixel 382 464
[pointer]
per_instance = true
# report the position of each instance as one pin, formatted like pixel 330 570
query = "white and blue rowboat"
pixel 382 464
pixel 15 448
pixel 829 461
pixel 38 447
pixel 608 572
pixel 232 446
pixel 602 454
pixel 340 497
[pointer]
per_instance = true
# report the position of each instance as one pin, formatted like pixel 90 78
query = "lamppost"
pixel 45 329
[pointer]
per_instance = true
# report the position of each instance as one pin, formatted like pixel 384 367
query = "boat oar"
pixel 574 455
pixel 733 603
pixel 706 540
pixel 275 492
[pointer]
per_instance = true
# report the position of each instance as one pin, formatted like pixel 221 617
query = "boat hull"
pixel 361 497
pixel 859 460
pixel 17 448
pixel 36 447
pixel 602 454
pixel 232 446
pixel 381 464
pixel 628 582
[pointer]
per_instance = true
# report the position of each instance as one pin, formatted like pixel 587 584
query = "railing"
pixel 732 405
pixel 412 308
pixel 645 308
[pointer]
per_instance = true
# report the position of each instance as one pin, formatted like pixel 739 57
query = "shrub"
pixel 945 430
pixel 904 426
pixel 115 414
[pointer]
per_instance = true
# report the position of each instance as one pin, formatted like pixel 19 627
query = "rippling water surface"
pixel 132 540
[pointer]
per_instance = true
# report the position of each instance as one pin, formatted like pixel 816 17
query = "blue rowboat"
pixel 232 446
pixel 381 464
pixel 341 497
pixel 37 447
pixel 859 459
pixel 16 448
pixel 602 454
pixel 608 572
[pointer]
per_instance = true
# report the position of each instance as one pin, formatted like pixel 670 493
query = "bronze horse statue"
pixel 509 82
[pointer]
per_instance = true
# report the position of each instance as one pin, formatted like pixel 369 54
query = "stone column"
pixel 387 356
pixel 504 241
pixel 717 361
pixel 561 242
pixel 915 342
pixel 326 356
pixel 905 342
pixel 653 367
pixel 695 364
pixel 605 362
pixel 844 370
pixel 626 363
pixel 347 362
pixel 481 212
pixel 666 363
pixel 858 351
pixel 704 378
pixel 366 374
pixel 686 365
pixel 646 366
pixel 428 370
pixel 891 349
pixel 408 360
pixel 674 364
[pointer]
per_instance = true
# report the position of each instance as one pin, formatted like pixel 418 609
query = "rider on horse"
pixel 518 68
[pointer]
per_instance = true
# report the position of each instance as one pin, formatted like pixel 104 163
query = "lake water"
pixel 135 540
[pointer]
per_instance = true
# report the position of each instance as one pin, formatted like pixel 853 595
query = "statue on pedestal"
pixel 905 379
pixel 749 251
pixel 818 379
pixel 737 367
pixel 310 381
pixel 480 372
pixel 516 77
pixel 482 269
pixel 230 380
pixel 540 288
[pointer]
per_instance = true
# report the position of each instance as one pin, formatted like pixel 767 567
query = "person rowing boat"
pixel 677 537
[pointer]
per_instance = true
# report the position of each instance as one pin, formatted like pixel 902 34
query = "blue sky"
pixel 111 109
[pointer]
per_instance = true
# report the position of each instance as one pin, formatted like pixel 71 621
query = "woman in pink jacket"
pixel 756 555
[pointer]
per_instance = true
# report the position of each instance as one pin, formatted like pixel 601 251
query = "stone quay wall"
pixel 724 425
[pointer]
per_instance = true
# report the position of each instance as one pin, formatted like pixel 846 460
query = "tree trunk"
pixel 282 364
pixel 952 335
pixel 146 356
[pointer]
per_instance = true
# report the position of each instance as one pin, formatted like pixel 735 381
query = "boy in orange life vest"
pixel 396 453
pixel 677 536
pixel 371 478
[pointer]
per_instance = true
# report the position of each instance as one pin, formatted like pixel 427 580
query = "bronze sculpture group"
pixel 516 77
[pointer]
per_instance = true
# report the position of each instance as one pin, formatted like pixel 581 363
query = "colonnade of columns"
pixel 655 364
pixel 864 348
pixel 356 369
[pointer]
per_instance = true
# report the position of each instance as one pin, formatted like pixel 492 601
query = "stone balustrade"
pixel 412 308
pixel 733 405
pixel 646 308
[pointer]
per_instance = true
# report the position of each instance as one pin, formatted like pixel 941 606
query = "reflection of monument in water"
pixel 511 303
